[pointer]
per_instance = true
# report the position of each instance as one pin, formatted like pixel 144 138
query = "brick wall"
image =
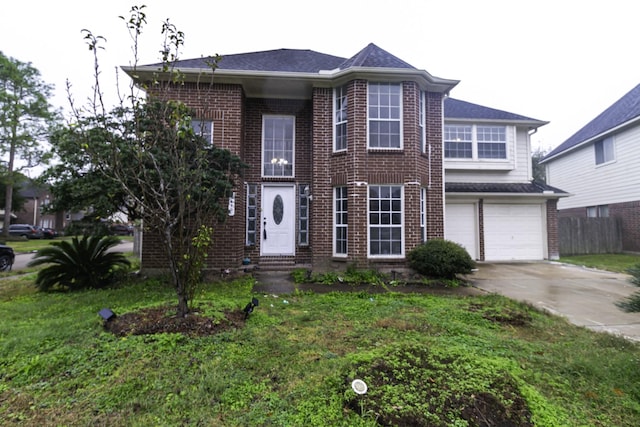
pixel 553 245
pixel 238 127
pixel 222 104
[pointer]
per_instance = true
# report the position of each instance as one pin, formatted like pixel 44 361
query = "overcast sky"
pixel 561 61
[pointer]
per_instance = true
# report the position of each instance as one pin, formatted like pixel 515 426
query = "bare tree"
pixel 173 177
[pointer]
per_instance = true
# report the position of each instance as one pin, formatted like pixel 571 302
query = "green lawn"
pixel 293 361
pixel 611 262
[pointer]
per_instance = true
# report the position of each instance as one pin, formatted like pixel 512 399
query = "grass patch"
pixel 618 263
pixel 33 245
pixel 427 359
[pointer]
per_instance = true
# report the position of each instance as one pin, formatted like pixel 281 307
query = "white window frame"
pixel 476 141
pixel 607 151
pixel 303 214
pixel 340 218
pixel 251 232
pixel 423 214
pixel 279 158
pixel 422 121
pixel 340 111
pixel 382 212
pixel 384 112
pixel 203 128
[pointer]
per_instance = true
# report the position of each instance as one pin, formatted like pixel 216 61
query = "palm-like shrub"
pixel 79 263
pixel 632 303
pixel 442 259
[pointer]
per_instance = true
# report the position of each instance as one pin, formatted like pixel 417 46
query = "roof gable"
pixel 374 57
pixel 621 112
pixel 457 109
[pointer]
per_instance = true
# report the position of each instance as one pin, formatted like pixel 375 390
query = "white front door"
pixel 278 220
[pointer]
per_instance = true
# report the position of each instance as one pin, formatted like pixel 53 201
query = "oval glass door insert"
pixel 278 209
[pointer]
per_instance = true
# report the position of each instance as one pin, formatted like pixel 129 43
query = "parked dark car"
pixel 7 256
pixel 121 230
pixel 49 233
pixel 25 230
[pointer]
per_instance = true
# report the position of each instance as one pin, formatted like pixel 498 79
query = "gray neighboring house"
pixel 493 207
pixel 600 166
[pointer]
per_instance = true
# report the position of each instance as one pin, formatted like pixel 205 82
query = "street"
pixel 23 259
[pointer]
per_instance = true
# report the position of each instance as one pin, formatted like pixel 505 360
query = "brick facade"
pixel 238 127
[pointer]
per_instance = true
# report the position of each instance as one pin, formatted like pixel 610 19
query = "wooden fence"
pixel 579 236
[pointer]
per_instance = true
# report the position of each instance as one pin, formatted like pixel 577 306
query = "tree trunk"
pixel 8 203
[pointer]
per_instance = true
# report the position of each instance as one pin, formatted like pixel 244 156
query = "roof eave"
pixel 544 195
pixel 608 132
pixel 533 124
pixel 280 84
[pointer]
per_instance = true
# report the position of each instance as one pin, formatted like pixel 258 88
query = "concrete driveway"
pixel 586 297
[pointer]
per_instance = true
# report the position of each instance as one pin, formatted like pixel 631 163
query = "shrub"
pixel 441 259
pixel 632 303
pixel 79 263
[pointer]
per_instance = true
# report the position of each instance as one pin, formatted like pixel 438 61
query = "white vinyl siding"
pixel 593 185
pixel 466 167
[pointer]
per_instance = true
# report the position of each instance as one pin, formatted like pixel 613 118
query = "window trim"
pixel 266 117
pixel 340 93
pixel 303 202
pixel 422 120
pixel 337 225
pixel 194 122
pixel 605 143
pixel 252 193
pixel 401 226
pixel 475 163
pixel 399 120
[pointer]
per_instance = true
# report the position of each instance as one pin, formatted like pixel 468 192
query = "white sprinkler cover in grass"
pixel 359 386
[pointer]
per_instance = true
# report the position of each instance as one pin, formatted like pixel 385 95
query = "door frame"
pixel 291 210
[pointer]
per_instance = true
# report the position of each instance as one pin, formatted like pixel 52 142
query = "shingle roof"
pixel 300 61
pixel 457 109
pixel 280 60
pixel 622 111
pixel 533 187
pixel 374 57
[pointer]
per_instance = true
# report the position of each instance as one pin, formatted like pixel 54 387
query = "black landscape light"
pixel 106 314
pixel 248 309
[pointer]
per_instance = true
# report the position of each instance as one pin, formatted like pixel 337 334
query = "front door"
pixel 278 220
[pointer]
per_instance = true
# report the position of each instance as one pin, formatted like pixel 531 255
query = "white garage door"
pixel 461 226
pixel 513 232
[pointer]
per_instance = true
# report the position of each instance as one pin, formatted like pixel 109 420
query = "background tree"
pixel 147 152
pixel 25 119
pixel 539 173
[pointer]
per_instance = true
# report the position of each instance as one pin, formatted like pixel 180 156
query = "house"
pixel 600 166
pixel 346 163
pixel 493 207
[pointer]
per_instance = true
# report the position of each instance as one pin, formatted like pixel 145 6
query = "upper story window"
pixel 458 143
pixel 422 123
pixel 203 128
pixel 278 144
pixel 385 115
pixel 604 151
pixel 340 118
pixel 475 142
pixel 492 142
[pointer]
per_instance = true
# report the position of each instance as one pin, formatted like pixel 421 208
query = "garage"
pixel 513 232
pixel 461 226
